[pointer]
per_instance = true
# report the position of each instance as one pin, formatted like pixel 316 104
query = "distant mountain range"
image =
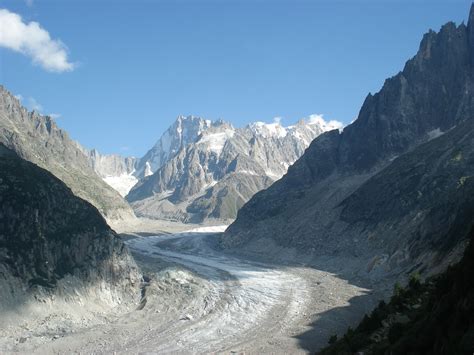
pixel 201 170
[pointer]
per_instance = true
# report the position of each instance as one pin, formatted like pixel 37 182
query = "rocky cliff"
pixel 54 243
pixel 216 173
pixel 182 132
pixel 38 139
pixel 350 194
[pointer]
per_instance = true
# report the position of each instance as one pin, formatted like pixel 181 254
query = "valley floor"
pixel 200 300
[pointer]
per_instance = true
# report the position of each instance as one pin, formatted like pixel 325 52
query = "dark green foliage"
pixel 431 317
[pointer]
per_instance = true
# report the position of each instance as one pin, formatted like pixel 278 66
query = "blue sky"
pixel 133 66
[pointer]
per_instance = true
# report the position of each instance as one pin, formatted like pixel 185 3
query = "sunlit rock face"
pixel 207 170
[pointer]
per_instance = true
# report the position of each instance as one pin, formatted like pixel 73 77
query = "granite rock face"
pixel 332 199
pixel 38 139
pixel 184 131
pixel 221 168
pixel 48 235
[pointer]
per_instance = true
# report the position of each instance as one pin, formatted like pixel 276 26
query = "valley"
pixel 239 236
pixel 200 300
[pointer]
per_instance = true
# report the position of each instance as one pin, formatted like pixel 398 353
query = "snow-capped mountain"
pixel 184 130
pixel 203 169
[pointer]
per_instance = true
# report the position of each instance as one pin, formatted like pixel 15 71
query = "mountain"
pixel 371 191
pixel 117 171
pixel 431 317
pixel 54 243
pixel 184 131
pixel 38 139
pixel 220 168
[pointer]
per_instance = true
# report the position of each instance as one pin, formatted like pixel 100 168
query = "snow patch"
pixel 122 183
pixel 267 130
pixel 215 141
pixel 209 229
pixel 248 172
pixel 435 134
pixel 148 170
pixel 273 175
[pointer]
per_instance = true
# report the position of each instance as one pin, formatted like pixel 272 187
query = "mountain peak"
pixel 470 22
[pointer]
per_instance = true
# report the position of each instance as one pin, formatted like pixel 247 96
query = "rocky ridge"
pixel 38 139
pixel 215 174
pixel 321 206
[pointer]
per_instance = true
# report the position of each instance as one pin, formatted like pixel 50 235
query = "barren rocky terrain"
pixel 197 299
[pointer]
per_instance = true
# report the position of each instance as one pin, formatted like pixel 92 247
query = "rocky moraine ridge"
pixel 390 185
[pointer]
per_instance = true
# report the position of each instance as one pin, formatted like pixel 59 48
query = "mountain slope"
pixel 52 242
pixel 213 176
pixel 304 209
pixel 433 317
pixel 37 138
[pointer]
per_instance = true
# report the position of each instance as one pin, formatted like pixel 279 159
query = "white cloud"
pixel 55 116
pixel 32 40
pixel 277 119
pixel 326 125
pixel 30 103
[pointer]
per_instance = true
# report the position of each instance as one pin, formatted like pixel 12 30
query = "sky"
pixel 115 74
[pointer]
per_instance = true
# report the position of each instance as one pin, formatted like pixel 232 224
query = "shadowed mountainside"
pixel 349 194
pixel 52 241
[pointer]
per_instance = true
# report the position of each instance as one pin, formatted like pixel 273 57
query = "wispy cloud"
pixel 55 116
pixel 277 119
pixel 29 3
pixel 33 104
pixel 30 103
pixel 33 41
